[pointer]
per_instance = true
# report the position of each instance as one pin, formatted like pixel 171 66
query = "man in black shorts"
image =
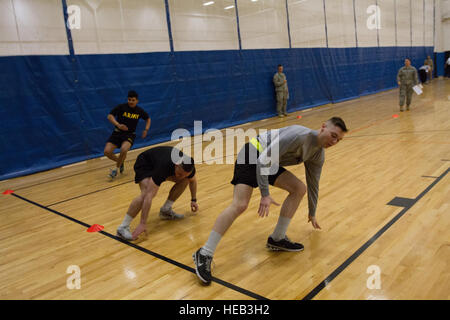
pixel 127 115
pixel 152 168
pixel 259 164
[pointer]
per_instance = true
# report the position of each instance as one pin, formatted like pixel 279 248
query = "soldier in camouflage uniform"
pixel 406 79
pixel 281 89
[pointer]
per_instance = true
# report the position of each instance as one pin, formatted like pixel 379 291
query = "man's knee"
pixel 125 148
pixel 183 182
pixel 240 207
pixel 299 189
pixel 108 151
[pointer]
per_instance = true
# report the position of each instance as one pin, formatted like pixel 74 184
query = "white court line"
pixel 74 164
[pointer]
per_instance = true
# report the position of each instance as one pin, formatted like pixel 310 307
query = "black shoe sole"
pixel 276 248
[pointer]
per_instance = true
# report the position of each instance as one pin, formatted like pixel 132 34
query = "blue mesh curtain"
pixel 55 103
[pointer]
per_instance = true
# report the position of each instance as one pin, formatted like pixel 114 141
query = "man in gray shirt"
pixel 259 163
pixel 281 90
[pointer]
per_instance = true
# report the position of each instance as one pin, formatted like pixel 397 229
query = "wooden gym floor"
pixel 383 205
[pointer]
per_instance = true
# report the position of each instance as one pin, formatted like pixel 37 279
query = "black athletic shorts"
pixel 143 169
pixel 156 163
pixel 246 173
pixel 118 137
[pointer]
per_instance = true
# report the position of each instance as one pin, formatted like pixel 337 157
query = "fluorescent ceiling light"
pixel 229 7
pixel 254 0
pixel 208 3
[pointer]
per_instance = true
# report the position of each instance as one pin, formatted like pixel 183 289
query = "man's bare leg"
pixel 166 212
pixel 297 189
pixel 241 198
pixel 203 256
pixel 141 202
pixel 126 146
pixel 109 151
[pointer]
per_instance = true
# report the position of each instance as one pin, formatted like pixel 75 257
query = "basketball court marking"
pixel 406 203
pixel 397 201
pixel 149 252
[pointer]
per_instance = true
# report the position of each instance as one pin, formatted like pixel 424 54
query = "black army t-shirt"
pixel 129 116
pixel 157 163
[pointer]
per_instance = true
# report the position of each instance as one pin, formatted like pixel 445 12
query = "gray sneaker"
pixel 203 266
pixel 113 173
pixel 170 215
pixel 124 233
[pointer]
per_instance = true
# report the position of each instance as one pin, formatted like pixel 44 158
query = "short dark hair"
pixel 187 164
pixel 132 94
pixel 280 65
pixel 338 122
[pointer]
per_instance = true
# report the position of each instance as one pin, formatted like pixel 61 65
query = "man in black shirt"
pixel 125 118
pixel 152 168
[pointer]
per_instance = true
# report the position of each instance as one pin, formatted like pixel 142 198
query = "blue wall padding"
pixel 54 108
pixel 439 64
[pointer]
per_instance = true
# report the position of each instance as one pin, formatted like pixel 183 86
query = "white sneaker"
pixel 170 215
pixel 124 233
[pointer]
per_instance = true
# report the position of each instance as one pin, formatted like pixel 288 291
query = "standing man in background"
pixel 447 68
pixel 281 90
pixel 406 79
pixel 429 62
pixel 125 118
pixel 424 73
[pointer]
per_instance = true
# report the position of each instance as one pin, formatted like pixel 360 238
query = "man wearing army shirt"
pixel 259 163
pixel 406 79
pixel 125 118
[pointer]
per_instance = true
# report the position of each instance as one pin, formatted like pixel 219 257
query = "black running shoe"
pixel 203 266
pixel 284 245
